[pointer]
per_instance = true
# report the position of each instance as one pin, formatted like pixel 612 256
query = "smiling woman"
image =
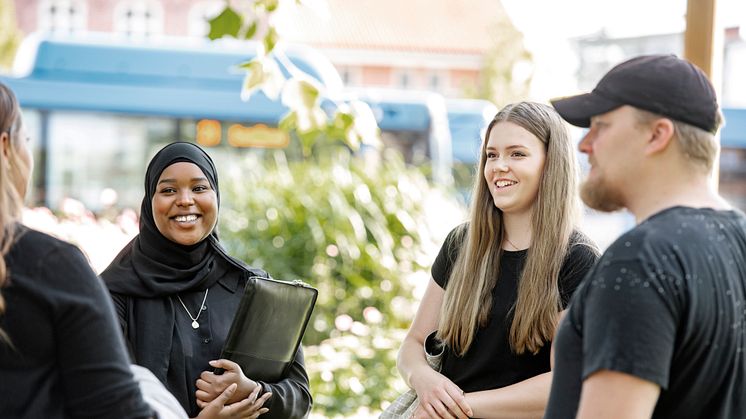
pixel 185 205
pixel 176 290
pixel 501 280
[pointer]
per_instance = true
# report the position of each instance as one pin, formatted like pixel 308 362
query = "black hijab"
pixel 152 269
pixel 153 266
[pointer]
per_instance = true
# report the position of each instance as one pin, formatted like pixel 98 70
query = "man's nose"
pixel 584 146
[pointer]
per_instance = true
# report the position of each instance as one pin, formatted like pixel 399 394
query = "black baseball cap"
pixel 662 84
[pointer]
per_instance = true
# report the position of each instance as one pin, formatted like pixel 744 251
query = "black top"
pixel 666 303
pixel 67 358
pixel 291 397
pixel 490 362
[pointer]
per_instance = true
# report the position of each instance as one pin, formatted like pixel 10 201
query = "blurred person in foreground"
pixel 658 327
pixel 61 353
pixel 501 280
pixel 176 290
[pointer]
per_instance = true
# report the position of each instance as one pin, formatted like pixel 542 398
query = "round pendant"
pixel 195 325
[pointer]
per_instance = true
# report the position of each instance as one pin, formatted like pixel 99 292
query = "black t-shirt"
pixel 67 358
pixel 665 303
pixel 490 362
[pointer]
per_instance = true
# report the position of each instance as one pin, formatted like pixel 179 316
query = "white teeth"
pixel 185 218
pixel 504 183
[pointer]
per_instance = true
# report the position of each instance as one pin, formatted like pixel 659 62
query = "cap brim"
pixel 578 110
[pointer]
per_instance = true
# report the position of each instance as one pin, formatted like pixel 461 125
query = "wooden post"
pixel 703 46
pixel 703 39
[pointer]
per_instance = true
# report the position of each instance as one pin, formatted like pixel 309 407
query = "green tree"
pixel 359 231
pixel 506 59
pixel 10 36
pixel 356 234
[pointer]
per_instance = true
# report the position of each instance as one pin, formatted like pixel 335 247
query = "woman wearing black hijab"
pixel 175 290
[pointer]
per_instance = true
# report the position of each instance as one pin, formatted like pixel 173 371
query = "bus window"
pixel 416 124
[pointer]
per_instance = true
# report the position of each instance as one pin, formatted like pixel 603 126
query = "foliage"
pixel 10 37
pixel 360 230
pixel 253 19
pixel 363 237
pixel 500 80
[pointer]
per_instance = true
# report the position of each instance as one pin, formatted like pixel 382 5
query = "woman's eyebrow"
pixel 194 179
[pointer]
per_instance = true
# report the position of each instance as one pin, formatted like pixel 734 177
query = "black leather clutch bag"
pixel 269 326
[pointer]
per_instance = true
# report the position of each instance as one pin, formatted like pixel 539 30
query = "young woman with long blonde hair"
pixel 501 280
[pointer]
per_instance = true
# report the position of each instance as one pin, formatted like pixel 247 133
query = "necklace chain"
pixel 195 324
pixel 511 243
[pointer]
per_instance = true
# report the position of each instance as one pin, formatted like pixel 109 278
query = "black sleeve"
pixel 579 260
pixel 94 369
pixel 443 264
pixel 120 311
pixel 291 397
pixel 629 318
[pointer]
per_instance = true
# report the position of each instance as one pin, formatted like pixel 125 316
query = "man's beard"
pixel 600 196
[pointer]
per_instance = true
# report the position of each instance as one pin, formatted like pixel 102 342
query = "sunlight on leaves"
pixel 227 23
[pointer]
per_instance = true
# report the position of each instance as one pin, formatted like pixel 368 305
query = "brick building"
pixel 437 45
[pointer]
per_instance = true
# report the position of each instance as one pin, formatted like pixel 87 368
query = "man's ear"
pixel 661 135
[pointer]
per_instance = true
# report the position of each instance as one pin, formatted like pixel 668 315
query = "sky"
pixel 569 18
pixel 548 25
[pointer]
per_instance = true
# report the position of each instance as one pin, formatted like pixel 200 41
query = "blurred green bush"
pixel 360 233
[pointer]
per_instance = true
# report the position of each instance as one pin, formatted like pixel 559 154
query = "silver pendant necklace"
pixel 195 325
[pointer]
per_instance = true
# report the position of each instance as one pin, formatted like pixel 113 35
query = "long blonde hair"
pixel 468 296
pixel 10 201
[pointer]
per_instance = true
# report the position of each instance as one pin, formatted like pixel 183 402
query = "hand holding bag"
pixel 404 406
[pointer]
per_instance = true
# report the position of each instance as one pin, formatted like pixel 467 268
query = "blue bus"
pixel 414 123
pixel 468 120
pixel 732 176
pixel 100 108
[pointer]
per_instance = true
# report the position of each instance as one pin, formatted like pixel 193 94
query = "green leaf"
pixel 254 78
pixel 271 5
pixel 270 40
pixel 344 120
pixel 251 31
pixel 227 23
pixel 308 93
pixel 288 122
pixel 246 65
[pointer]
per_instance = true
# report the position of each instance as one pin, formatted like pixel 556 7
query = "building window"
pixel 138 18
pixel 351 76
pixel 199 15
pixel 403 79
pixel 434 82
pixel 437 81
pixel 62 16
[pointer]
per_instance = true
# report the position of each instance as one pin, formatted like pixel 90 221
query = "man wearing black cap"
pixel 658 327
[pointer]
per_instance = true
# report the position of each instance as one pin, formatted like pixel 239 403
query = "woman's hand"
pixel 439 397
pixel 250 408
pixel 210 385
